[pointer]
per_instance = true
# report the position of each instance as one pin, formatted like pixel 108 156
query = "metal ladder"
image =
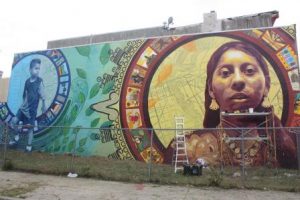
pixel 180 145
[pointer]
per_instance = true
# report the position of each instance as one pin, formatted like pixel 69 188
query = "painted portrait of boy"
pixel 33 92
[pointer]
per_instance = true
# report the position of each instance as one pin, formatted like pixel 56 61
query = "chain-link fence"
pixel 221 155
pixel 3 143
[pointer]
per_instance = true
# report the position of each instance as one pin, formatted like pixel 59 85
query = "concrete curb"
pixel 8 198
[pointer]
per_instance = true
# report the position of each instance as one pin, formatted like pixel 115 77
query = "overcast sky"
pixel 28 25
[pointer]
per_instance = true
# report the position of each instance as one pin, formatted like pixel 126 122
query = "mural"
pixel 140 85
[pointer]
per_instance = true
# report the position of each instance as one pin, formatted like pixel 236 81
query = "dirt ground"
pixel 33 186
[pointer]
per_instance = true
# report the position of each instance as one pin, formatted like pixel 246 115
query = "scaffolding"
pixel 269 137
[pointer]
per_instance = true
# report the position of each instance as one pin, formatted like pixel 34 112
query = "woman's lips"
pixel 239 96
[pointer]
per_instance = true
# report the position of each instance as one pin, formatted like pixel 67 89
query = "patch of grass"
pixel 7 165
pixel 138 172
pixel 215 178
pixel 19 191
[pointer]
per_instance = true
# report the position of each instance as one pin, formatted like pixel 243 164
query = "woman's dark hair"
pixel 212 117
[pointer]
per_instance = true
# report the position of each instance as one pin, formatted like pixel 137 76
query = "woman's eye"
pixel 249 70
pixel 225 73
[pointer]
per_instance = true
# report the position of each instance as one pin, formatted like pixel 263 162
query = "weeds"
pixel 19 191
pixel 215 178
pixel 138 172
pixel 8 165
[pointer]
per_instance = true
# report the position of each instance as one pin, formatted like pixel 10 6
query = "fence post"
pixel 298 148
pixel 243 156
pixel 5 142
pixel 150 162
pixel 2 141
pixel 72 173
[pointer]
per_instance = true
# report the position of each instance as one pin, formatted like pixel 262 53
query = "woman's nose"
pixel 238 82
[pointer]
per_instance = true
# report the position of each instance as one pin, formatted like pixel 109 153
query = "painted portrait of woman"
pixel 238 79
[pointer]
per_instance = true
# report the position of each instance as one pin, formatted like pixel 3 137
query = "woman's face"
pixel 238 82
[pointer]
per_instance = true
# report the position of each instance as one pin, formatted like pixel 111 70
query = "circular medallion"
pixel 167 77
pixel 51 85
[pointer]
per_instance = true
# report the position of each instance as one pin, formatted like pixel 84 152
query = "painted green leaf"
pixel 71 146
pixel 89 111
pixel 94 136
pixel 65 140
pixel 66 121
pixel 95 122
pixel 108 87
pixel 56 146
pixel 61 121
pixel 65 131
pixel 74 112
pixel 81 97
pixel 72 118
pixel 106 124
pixel 104 54
pixel 80 149
pixel 77 129
pixel 63 148
pixel 61 132
pixel 82 141
pixel 84 50
pixel 94 91
pixel 81 73
pixel 50 149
